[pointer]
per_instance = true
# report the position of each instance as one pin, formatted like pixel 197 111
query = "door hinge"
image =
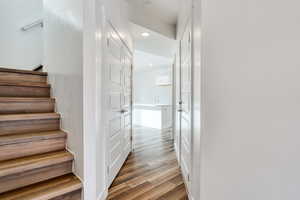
pixel 107 41
pixel 107 170
pixel 188 177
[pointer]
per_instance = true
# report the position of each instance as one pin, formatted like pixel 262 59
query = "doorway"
pixel 152 165
pixel 159 164
pixel 152 80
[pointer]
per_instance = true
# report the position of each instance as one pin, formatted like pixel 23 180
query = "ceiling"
pixel 155 44
pixel 165 10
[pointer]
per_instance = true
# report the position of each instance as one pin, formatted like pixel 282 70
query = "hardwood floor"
pixel 151 171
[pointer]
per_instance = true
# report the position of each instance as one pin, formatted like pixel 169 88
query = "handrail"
pixel 38 68
pixel 33 24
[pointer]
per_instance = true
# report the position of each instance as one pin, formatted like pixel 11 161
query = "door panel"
pixel 116 151
pixel 127 91
pixel 186 104
pixel 118 91
pixel 115 101
pixel 115 126
pixel 178 106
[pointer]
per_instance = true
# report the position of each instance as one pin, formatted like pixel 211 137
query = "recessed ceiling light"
pixel 151 65
pixel 145 34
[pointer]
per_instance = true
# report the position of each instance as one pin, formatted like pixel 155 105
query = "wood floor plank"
pixel 151 172
pixel 179 193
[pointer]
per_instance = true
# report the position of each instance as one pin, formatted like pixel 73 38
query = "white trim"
pixel 122 40
pixel 103 195
pixel 177 154
pixel 73 163
pixel 186 186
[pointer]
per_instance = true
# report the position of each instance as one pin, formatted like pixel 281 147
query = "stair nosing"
pixel 19 71
pixel 25 99
pixel 46 193
pixel 36 162
pixel 25 84
pixel 30 116
pixel 71 188
pixel 30 137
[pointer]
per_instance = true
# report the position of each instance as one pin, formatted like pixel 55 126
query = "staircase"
pixel 34 164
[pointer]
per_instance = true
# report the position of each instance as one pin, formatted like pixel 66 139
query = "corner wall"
pixel 63 49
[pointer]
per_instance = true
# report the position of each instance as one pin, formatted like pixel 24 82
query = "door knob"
pixel 180 110
pixel 123 111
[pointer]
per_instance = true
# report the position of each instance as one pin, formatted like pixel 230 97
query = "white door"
pixel 127 106
pixel 118 107
pixel 177 106
pixel 186 104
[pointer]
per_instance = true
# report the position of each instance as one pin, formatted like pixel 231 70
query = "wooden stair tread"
pixel 36 116
pixel 25 99
pixel 3 69
pixel 45 190
pixel 34 162
pixel 21 165
pixel 24 84
pixel 30 137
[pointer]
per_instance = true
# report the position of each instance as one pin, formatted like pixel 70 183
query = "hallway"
pixel 151 171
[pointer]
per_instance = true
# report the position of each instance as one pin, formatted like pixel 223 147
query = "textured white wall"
pixel 18 49
pixel 63 47
pixel 250 54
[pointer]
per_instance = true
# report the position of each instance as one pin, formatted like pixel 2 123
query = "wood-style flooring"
pixel 151 172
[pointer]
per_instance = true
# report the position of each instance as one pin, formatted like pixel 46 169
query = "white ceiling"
pixel 155 44
pixel 165 10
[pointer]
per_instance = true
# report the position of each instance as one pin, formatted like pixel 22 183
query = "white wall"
pixel 94 145
pixel 250 54
pixel 64 63
pixel 145 89
pixel 198 108
pixel 19 49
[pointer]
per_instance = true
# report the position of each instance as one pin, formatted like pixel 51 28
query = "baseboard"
pixel 177 154
pixel 75 158
pixel 103 195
